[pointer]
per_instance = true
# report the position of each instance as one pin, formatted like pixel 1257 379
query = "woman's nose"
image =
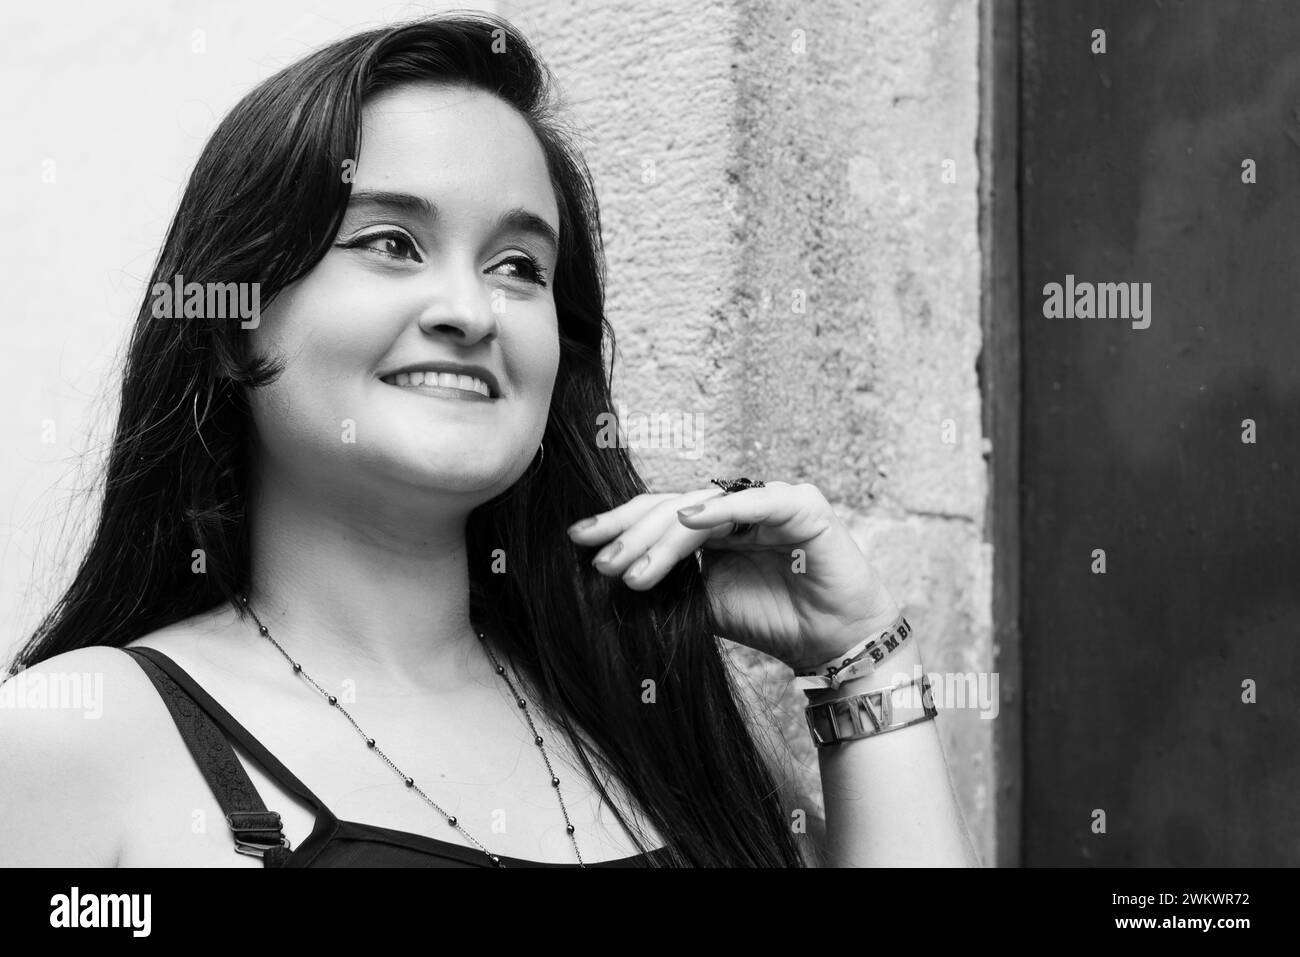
pixel 459 303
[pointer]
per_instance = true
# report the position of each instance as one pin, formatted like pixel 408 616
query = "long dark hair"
pixel 263 204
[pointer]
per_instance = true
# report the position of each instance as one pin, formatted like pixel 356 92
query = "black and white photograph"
pixel 748 434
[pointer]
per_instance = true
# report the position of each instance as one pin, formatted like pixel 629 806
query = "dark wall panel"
pixel 1131 171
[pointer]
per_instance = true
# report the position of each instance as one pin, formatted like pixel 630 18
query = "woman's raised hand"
pixel 795 586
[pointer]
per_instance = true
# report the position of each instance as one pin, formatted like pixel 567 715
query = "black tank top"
pixel 209 730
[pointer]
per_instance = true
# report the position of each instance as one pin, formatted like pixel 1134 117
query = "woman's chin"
pixel 443 473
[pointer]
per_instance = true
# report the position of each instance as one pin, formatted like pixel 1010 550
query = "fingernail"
pixel 608 554
pixel 641 565
pixel 688 512
pixel 580 526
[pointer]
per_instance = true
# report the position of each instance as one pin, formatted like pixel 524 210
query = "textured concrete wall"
pixel 794 264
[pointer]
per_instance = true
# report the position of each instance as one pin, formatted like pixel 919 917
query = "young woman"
pixel 339 593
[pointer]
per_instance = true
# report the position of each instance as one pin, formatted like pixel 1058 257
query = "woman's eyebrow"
pixel 404 202
pixel 518 219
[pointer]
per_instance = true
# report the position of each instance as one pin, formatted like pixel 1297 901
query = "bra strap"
pixel 257 831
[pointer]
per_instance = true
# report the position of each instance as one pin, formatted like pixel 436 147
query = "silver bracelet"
pixel 842 719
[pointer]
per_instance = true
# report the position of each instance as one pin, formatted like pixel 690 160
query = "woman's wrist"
pixel 902 663
pixel 882 639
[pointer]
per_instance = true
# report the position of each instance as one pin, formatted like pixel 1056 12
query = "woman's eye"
pixel 391 245
pixel 532 270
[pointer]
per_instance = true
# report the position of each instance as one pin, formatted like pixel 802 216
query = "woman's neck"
pixel 349 590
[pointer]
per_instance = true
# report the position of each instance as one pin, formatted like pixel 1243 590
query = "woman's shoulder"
pixel 77 731
pixel 72 702
pixel 74 730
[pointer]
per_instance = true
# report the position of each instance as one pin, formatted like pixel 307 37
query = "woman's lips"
pixel 443 379
pixel 441 392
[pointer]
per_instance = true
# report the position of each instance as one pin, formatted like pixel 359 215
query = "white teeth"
pixel 446 380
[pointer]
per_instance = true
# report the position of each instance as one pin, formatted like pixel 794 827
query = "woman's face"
pixel 439 263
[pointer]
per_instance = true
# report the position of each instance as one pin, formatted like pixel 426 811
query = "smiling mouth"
pixel 441 383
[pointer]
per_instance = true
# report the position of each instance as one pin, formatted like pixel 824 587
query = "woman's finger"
pixel 605 525
pixel 635 539
pixel 650 559
pixel 791 513
pixel 655 546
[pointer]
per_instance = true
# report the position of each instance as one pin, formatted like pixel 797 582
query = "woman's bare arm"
pixel 64 760
pixel 889 799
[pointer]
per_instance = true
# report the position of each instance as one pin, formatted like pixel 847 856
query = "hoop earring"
pixel 198 429
pixel 523 479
